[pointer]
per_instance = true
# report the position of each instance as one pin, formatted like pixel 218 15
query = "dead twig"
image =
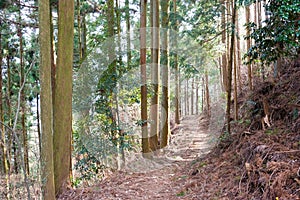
pixel 291 151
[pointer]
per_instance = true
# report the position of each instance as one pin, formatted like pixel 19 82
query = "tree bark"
pixel 165 70
pixel 127 16
pixel 154 110
pixel 203 95
pixel 248 47
pixel 192 96
pixel 224 60
pixel 197 95
pixel 78 4
pixel 46 139
pixel 62 110
pixel 235 82
pixel 11 150
pixel 38 121
pixel 143 51
pixel 207 95
pixel 176 66
pixel 238 51
pixel 186 97
pixel 23 103
pixel 2 128
pixel 230 62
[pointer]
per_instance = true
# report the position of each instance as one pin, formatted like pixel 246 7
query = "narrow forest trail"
pixel 189 142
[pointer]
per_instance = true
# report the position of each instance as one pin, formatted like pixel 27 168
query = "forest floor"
pixel 253 162
pixel 168 180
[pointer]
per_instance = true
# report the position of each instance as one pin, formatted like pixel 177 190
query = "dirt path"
pixel 189 142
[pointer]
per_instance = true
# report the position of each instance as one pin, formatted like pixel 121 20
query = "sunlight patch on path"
pixel 188 143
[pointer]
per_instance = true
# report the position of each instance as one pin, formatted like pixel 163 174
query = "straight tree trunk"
pixel 228 21
pixel 143 51
pixel 38 121
pixel 12 150
pixel 235 83
pixel 62 110
pixel 235 68
pixel 259 18
pixel 176 66
pixel 238 51
pixel 46 138
pixel 8 104
pixel 203 95
pixel 2 129
pixel 192 96
pixel 230 62
pixel 221 74
pixel 83 36
pixel 165 70
pixel 186 97
pixel 248 47
pixel 116 93
pixel 128 35
pixel 23 103
pixel 154 110
pixel 197 95
pixel 207 95
pixel 78 5
pixel 224 60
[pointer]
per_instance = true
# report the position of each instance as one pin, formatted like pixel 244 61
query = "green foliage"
pixel 280 35
pixel 202 164
pixel 87 164
pixel 272 132
pixel 204 20
pixel 224 136
pixel 180 194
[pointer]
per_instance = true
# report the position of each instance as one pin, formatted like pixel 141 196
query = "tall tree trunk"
pixel 235 82
pixel 203 95
pixel 12 150
pixel 230 62
pixel 207 95
pixel 186 108
pixel 228 21
pixel 38 121
pixel 116 93
pixel 197 95
pixel 46 138
pixel 224 60
pixel 78 5
pixel 192 96
pixel 255 20
pixel 259 18
pixel 165 70
pixel 154 111
pixel 238 51
pixel 248 47
pixel 62 110
pixel 83 36
pixel 23 103
pixel 143 51
pixel 8 104
pixel 2 129
pixel 176 66
pixel 236 55
pixel 128 34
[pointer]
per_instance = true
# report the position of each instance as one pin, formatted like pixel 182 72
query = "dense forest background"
pixel 86 84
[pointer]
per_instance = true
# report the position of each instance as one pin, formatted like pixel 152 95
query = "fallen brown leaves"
pixel 250 164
